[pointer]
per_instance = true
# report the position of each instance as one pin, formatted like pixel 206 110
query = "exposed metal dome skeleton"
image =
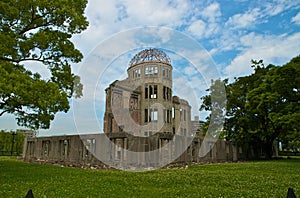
pixel 150 55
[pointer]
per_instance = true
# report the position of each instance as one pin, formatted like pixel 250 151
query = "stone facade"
pixel 90 148
pixel 141 116
pixel 143 104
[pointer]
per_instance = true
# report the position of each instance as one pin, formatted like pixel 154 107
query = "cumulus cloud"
pixel 243 20
pixel 296 19
pixel 109 17
pixel 276 7
pixel 212 12
pixel 272 49
pixel 205 22
pixel 197 28
pixel 233 33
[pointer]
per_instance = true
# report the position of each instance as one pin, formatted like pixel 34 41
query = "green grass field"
pixel 250 179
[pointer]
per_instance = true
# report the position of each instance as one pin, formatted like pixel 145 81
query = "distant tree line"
pixel 261 108
pixel 11 143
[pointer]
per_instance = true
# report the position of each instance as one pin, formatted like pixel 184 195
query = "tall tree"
pixel 40 31
pixel 264 106
pixel 273 103
pixel 240 122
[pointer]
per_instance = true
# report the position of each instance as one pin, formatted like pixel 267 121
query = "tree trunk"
pixel 268 150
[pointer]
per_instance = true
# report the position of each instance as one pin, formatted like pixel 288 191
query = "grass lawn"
pixel 251 179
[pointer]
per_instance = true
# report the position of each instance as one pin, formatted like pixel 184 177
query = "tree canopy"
pixel 264 106
pixel 40 31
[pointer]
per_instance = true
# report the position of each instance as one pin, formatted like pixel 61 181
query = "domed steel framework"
pixel 150 55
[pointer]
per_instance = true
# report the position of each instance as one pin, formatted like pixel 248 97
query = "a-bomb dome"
pixel 150 55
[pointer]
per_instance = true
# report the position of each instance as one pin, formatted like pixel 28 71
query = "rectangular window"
pixel 168 116
pixel 146 91
pixel 146 115
pixel 146 71
pixel 155 71
pixel 45 146
pixel 184 115
pixel 166 72
pixel 137 73
pixel 167 93
pixel 173 112
pixel 153 91
pixel 150 70
pixel 118 155
pixel 148 133
pixel 181 115
pixel 64 148
pixel 153 114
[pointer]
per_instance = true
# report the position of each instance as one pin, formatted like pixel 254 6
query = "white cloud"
pixel 270 48
pixel 157 12
pixel 204 21
pixel 244 20
pixel 278 6
pixel 190 70
pixel 260 13
pixel 109 17
pixel 197 28
pixel 296 19
pixel 211 12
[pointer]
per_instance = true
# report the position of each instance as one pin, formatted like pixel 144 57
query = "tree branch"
pixel 20 60
pixel 31 26
pixel 3 112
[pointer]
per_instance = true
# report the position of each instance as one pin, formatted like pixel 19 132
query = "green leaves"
pixel 34 101
pixel 36 30
pixel 263 106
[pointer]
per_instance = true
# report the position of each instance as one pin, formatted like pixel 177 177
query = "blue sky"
pixel 220 39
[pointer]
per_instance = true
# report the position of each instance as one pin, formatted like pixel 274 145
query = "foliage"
pixel 264 179
pixel 6 139
pixel 263 106
pixel 39 31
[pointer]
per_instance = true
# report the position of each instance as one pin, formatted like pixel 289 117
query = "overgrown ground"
pixel 251 179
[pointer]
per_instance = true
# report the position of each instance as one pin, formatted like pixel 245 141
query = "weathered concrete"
pixel 88 148
pixel 141 116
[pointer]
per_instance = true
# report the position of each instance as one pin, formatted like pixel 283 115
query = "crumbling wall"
pixel 89 148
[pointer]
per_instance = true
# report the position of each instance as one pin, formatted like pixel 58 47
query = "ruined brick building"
pixel 142 104
pixel 144 124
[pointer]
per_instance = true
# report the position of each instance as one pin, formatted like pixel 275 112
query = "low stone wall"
pixel 80 150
